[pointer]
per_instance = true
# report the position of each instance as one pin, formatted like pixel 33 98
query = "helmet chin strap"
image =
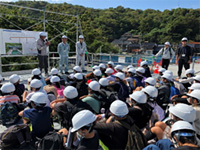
pixel 80 137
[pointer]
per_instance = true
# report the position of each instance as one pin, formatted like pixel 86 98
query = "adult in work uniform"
pixel 80 52
pixel 63 51
pixel 183 56
pixel 42 45
pixel 167 55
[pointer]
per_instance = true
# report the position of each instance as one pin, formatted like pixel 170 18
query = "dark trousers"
pixel 181 63
pixel 43 63
pixel 165 63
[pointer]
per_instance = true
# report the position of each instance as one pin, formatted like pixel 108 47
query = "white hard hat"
pixel 97 72
pixel 36 71
pixel 14 78
pixel 70 92
pixel 103 82
pixel 167 43
pixel 43 34
pixel 55 79
pixel 102 66
pixel 94 85
pixel 119 108
pixel 109 70
pixel 7 88
pixel 39 97
pixel 64 37
pixel 95 67
pixel 111 63
pixel 129 66
pixel 81 119
pixel 120 75
pixel 81 37
pixel 195 94
pixel 77 68
pixel 54 71
pixel 151 91
pixel 1 78
pixel 119 67
pixel 140 69
pixel 150 80
pixel 189 71
pixel 132 70
pixel 168 72
pixel 162 70
pixel 139 97
pixel 35 83
pixel 197 77
pixel 167 76
pixel 78 76
pixel 184 112
pixel 195 86
pixel 182 125
pixel 143 63
pixel 184 39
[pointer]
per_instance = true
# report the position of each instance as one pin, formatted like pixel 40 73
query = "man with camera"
pixel 42 44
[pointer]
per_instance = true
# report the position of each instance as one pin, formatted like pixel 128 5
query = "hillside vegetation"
pixel 101 26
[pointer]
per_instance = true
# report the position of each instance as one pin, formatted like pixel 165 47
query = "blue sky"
pixel 134 4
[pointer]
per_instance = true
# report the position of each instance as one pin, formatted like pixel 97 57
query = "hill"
pixel 101 26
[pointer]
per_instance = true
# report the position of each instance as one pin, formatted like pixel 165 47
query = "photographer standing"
pixel 167 54
pixel 42 45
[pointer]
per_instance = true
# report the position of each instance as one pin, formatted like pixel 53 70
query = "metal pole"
pixel 0 65
pixel 44 19
pixel 77 28
pixel 193 63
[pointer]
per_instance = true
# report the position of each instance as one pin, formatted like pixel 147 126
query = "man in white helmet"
pixel 183 56
pixel 83 123
pixel 167 54
pixel 63 51
pixel 81 49
pixel 42 44
pixel 7 92
pixel 19 88
pixel 39 115
pixel 67 107
pixel 183 136
pixel 113 134
pixel 194 100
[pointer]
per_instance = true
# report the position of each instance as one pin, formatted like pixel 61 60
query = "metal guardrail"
pixel 91 59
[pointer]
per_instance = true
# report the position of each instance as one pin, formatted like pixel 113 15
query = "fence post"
pixel 92 59
pixel 0 65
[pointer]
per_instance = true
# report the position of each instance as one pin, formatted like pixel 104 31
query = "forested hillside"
pixel 100 27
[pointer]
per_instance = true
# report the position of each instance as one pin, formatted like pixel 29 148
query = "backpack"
pixel 51 141
pixel 15 136
pixel 123 92
pixel 170 50
pixel 136 139
pixel 111 96
pixel 173 91
pixel 8 113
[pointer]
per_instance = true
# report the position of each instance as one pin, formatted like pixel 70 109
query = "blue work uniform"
pixel 63 51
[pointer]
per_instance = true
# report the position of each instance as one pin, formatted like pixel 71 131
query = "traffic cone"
pixel 156 69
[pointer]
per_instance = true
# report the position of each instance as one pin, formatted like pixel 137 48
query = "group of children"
pixel 96 108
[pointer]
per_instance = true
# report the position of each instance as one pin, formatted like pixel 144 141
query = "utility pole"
pixel 77 28
pixel 44 19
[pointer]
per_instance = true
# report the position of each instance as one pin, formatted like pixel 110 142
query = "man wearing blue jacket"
pixel 63 51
